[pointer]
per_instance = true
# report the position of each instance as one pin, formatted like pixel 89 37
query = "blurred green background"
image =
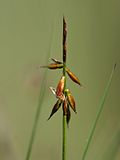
pixel 26 28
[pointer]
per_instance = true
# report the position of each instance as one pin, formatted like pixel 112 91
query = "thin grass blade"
pixel 100 109
pixel 40 101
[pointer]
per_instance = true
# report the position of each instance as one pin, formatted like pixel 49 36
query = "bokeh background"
pixel 29 31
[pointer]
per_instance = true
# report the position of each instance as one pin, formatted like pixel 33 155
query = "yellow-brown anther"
pixel 73 77
pixel 54 66
pixel 71 101
pixel 55 108
pixel 60 88
pixel 64 40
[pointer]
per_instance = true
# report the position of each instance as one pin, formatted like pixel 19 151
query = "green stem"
pixel 64 122
pixel 98 113
pixel 64 138
pixel 64 73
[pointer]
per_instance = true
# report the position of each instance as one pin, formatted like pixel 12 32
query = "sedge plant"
pixel 62 93
pixel 66 100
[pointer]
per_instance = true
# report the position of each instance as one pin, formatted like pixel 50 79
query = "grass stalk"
pixel 100 108
pixel 64 122
pixel 64 138
pixel 64 90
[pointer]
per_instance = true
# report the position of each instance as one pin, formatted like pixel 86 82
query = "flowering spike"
pixel 55 108
pixel 64 30
pixel 63 95
pixel 60 88
pixel 64 39
pixel 56 61
pixel 68 114
pixel 53 66
pixel 71 100
pixel 73 77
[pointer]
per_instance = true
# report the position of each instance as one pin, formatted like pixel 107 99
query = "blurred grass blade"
pixel 40 101
pixel 101 105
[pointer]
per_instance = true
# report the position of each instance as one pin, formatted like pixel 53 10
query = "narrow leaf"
pixel 100 109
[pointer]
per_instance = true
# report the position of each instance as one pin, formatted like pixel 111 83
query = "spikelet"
pixel 53 66
pixel 60 88
pixel 55 108
pixel 73 77
pixel 71 100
